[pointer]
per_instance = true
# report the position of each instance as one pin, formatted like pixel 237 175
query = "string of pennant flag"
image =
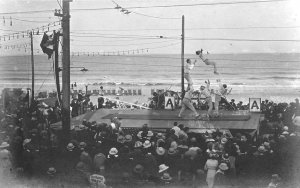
pixel 124 52
pixel 26 33
pixel 121 52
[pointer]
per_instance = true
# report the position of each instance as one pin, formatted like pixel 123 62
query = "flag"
pixel 47 44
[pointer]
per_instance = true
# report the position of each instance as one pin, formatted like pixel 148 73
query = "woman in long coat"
pixel 211 166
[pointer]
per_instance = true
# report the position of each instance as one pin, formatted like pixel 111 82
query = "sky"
pixel 220 27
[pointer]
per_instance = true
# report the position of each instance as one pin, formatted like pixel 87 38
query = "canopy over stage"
pixel 163 119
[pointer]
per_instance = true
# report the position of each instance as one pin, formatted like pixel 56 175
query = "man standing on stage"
pixel 205 91
pixel 187 101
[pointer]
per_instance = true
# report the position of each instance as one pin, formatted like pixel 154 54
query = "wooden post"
pixel 182 59
pixel 56 68
pixel 32 68
pixel 66 71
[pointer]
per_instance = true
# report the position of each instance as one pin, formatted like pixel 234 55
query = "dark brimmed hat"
pixel 138 169
pixel 166 177
pixel 121 139
pixel 128 138
pixel 160 136
pixel 51 171
pixel 261 149
pixel 224 140
pixel 82 145
pixel 172 151
pixel 70 146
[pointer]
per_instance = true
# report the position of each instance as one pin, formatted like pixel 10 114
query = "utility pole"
pixel 65 68
pixel 182 58
pixel 56 67
pixel 32 68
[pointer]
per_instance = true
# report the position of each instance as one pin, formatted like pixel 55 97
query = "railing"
pixel 124 104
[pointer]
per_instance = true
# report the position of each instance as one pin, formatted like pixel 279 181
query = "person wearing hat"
pixel 221 173
pixel 84 169
pixel 151 167
pixel 160 153
pixel 162 168
pixel 138 171
pixel 211 166
pixel 166 177
pixel 160 136
pixel 71 156
pixel 147 147
pixel 113 159
pixel 149 135
pixel 121 139
pixel 171 159
pixel 99 162
pixel 82 146
pixel 138 144
pixel 5 160
pixel 51 171
pixel 129 141
pixel 28 157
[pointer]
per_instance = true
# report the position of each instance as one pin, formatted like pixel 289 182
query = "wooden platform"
pixel 163 119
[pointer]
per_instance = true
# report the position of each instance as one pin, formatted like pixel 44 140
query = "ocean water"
pixel 250 75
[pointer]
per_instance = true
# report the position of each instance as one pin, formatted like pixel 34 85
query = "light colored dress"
pixel 211 166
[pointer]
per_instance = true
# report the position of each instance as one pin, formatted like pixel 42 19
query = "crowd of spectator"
pixel 99 150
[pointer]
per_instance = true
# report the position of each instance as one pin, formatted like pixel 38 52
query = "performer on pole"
pixel 205 91
pixel 207 61
pixel 187 101
pixel 187 68
pixel 220 95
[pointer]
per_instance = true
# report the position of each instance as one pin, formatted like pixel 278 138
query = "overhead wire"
pixel 245 40
pixel 199 28
pixel 185 5
pixel 154 6
pixel 122 44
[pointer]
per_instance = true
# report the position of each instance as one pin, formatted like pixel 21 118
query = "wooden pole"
pixel 182 59
pixel 32 68
pixel 66 70
pixel 56 68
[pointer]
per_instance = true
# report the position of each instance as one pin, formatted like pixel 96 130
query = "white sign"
pixel 169 103
pixel 254 104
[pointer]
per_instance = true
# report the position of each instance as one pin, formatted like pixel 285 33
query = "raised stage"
pixel 163 119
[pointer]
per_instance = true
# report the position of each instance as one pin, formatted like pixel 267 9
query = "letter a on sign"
pixel 254 104
pixel 169 102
